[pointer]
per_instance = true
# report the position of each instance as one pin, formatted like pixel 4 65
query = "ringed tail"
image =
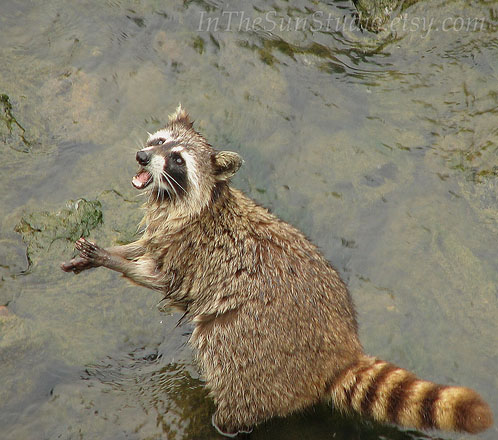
pixel 387 393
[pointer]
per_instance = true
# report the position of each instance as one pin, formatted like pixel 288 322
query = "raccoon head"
pixel 177 165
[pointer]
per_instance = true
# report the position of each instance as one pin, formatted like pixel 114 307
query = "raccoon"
pixel 275 328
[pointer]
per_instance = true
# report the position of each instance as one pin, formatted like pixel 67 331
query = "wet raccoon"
pixel 275 327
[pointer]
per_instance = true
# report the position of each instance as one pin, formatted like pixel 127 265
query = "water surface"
pixel 383 148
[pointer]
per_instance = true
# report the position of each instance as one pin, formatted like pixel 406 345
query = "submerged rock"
pixel 374 14
pixel 40 230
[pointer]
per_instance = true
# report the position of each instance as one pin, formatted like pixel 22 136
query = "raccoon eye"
pixel 179 160
pixel 160 141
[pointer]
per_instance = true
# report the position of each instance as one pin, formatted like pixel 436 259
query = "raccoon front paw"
pixel 92 253
pixel 77 265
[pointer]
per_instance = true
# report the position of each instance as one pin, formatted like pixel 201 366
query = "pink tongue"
pixel 141 179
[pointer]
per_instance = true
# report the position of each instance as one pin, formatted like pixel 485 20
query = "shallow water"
pixel 383 148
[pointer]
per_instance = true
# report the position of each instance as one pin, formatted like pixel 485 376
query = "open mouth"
pixel 142 179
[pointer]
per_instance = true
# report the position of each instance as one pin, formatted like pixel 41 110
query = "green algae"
pixel 11 131
pixel 41 229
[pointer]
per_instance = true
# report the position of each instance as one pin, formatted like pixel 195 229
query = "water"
pixel 380 147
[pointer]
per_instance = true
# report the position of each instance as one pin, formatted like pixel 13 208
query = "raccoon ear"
pixel 226 164
pixel 180 117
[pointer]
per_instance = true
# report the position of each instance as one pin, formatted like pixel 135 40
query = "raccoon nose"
pixel 143 157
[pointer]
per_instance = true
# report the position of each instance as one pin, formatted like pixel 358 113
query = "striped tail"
pixel 387 393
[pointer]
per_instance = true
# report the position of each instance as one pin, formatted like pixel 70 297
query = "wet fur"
pixel 275 327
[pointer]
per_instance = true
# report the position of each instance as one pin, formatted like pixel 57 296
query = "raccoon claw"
pixel 228 434
pixel 90 252
pixel 90 256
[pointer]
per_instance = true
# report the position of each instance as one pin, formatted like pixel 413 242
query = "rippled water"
pixel 383 148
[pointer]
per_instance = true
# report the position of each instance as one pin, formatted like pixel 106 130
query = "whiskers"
pixel 139 145
pixel 163 186
pixel 170 178
pixel 141 194
pixel 157 195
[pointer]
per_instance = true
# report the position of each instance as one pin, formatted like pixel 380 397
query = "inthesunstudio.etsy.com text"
pixel 320 21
